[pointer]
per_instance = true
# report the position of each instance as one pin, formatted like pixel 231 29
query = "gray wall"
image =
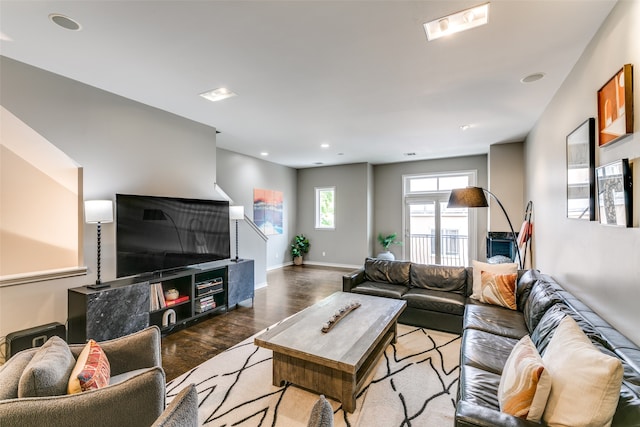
pixel 123 146
pixel 349 244
pixel 506 181
pixel 238 175
pixel 388 200
pixel 597 263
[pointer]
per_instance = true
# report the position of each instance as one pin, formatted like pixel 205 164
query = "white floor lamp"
pixel 98 212
pixel 236 213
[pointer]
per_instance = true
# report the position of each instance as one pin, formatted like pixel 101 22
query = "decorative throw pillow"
pixel 525 383
pixel 10 374
pixel 479 267
pixel 321 414
pixel 499 289
pixel 48 371
pixel 585 383
pixel 92 370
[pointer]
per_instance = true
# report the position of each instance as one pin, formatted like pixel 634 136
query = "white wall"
pixel 239 175
pixel 388 201
pixel 123 147
pixel 597 263
pixel 349 244
pixel 506 181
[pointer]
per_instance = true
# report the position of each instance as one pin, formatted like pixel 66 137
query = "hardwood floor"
pixel 290 289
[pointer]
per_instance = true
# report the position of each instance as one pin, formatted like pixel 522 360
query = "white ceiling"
pixel 358 75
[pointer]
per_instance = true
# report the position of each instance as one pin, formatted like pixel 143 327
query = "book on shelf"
pixel 181 298
pixel 157 297
pixel 206 287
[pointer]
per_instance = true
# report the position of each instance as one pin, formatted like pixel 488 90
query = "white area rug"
pixel 413 384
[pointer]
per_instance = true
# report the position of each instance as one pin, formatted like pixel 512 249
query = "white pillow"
pixel 479 267
pixel 525 383
pixel 585 383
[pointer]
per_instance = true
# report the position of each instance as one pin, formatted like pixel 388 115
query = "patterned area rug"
pixel 413 384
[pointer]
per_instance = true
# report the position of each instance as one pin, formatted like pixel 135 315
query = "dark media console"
pixel 130 304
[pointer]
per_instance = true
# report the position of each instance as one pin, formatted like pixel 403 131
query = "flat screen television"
pixel 160 233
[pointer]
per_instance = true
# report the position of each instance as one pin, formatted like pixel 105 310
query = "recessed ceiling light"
pixel 532 78
pixel 264 154
pixel 409 154
pixel 318 163
pixel 325 145
pixel 64 21
pixel 465 127
pixel 340 154
pixel 218 94
pixel 460 21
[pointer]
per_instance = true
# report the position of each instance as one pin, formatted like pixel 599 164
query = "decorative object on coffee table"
pixel 340 314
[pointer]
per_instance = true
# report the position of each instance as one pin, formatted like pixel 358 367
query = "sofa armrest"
pixel 469 414
pixel 138 401
pixel 135 351
pixel 353 279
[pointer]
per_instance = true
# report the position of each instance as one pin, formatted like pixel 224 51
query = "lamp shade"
pixel 96 211
pixel 236 212
pixel 469 197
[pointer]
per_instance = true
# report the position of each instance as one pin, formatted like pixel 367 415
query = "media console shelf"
pixel 130 304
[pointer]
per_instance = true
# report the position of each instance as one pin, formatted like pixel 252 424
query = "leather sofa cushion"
pixel 479 387
pixel 384 271
pixel 486 351
pixel 523 289
pixel 439 278
pixel 542 297
pixel 496 320
pixel 380 289
pixel 440 301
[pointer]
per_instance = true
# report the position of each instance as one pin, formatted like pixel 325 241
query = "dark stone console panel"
pixel 121 309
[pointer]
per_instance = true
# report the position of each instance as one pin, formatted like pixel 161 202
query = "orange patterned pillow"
pixel 499 289
pixel 92 370
pixel 525 384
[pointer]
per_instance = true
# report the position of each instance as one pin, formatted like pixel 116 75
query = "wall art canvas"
pixel 267 210
pixel 581 171
pixel 614 193
pixel 615 107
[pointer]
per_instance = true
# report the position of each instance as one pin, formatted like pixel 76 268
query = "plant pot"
pixel 388 255
pixel 297 260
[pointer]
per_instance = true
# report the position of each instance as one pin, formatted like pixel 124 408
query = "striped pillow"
pixel 499 289
pixel 525 383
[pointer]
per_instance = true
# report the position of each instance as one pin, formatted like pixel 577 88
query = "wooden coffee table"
pixel 335 363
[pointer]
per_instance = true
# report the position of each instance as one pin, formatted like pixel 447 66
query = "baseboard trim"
pixel 331 264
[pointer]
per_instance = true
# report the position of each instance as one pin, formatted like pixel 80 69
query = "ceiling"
pixel 357 75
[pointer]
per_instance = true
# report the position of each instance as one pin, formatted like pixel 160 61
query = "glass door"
pixel 437 234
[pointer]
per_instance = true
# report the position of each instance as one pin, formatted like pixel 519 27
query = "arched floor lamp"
pixel 473 197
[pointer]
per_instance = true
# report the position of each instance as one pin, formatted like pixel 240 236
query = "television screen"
pixel 159 233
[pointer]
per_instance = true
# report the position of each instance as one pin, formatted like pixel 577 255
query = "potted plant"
pixel 299 247
pixel 386 242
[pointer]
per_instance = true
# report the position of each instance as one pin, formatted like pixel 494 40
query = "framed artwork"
pixel 614 193
pixel 615 107
pixel 267 210
pixel 581 148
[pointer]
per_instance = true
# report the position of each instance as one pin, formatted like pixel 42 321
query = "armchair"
pixel 135 396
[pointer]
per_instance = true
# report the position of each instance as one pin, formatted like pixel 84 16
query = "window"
pixel 325 208
pixel 434 233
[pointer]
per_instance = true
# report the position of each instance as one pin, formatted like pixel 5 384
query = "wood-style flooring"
pixel 290 289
